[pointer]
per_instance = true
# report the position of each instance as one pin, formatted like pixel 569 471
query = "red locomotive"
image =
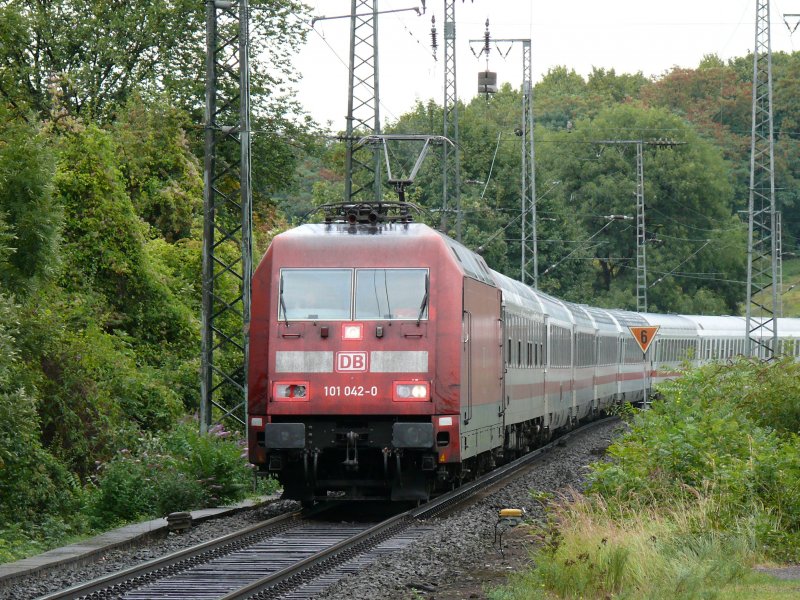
pixel 376 359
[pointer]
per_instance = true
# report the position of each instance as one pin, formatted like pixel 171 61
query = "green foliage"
pixel 100 216
pixel 33 483
pixel 179 470
pixel 727 432
pixel 99 390
pixel 105 246
pixel 29 219
pixel 163 179
pixel 585 552
pixel 103 237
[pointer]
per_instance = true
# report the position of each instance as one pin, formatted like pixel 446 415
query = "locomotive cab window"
pixel 309 294
pixel 392 294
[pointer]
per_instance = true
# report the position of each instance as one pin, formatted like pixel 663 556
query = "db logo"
pixel 351 361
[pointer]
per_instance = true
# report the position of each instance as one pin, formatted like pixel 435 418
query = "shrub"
pixel 217 459
pixel 178 470
pixel 32 482
pixel 144 485
pixel 719 433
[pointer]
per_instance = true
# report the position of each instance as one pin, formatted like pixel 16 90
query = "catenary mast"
pixel 762 264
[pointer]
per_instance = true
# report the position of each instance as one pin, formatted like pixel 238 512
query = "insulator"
pixel 486 39
pixel 434 43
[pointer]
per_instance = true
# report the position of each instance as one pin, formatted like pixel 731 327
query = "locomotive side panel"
pixel 258 379
pixel 482 402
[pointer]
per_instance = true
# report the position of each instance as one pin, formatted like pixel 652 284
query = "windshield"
pixel 391 293
pixel 315 294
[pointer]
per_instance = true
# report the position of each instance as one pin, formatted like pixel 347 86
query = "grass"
pixel 760 586
pixel 644 553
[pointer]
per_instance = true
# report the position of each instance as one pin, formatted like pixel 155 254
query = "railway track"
pixel 290 556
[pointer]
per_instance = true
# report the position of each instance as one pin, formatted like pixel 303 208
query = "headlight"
pixel 411 391
pixel 290 391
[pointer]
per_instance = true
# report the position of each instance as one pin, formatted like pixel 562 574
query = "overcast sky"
pixel 625 35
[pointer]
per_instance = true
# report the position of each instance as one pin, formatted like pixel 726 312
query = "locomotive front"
pixel 343 361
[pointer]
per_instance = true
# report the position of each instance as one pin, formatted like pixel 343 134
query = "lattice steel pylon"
pixel 227 209
pixel 641 246
pixel 528 165
pixel 363 162
pixel 762 265
pixel 451 157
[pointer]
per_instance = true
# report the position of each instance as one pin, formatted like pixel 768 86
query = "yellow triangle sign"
pixel 644 336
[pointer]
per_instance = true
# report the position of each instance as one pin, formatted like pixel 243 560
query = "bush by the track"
pixel 726 433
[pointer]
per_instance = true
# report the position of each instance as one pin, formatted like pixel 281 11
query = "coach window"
pixel 309 294
pixel 392 294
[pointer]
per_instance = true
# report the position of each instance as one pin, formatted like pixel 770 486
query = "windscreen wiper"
pixel 424 300
pixel 283 305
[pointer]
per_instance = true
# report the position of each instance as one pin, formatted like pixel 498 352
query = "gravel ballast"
pixel 459 557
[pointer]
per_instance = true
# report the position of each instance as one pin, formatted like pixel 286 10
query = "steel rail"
pixel 280 582
pixel 115 584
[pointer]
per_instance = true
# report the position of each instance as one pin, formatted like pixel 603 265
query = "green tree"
pixel 32 482
pixel 162 177
pixel 105 243
pixel 693 236
pixel 608 87
pixel 560 98
pixel 97 54
pixel 716 97
pixel 32 218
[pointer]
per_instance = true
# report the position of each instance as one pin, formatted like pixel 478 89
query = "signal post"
pixel 644 337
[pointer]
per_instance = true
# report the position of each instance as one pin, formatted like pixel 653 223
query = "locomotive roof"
pixel 471 263
pixel 345 229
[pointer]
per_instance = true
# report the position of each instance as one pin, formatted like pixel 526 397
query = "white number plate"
pixel 350 391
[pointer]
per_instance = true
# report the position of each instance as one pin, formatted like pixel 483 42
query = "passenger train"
pixel 387 360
